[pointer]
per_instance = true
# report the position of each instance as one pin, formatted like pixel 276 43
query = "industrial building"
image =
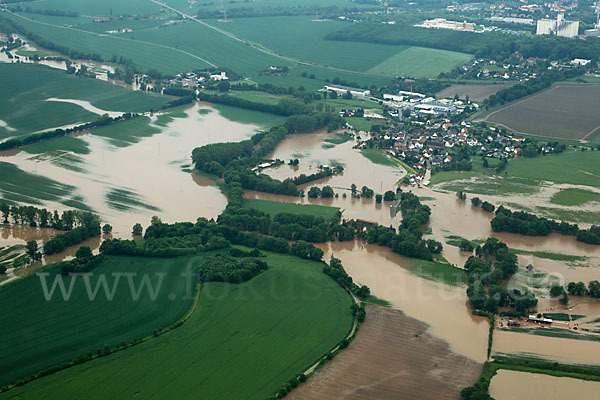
pixel 558 27
pixel 341 90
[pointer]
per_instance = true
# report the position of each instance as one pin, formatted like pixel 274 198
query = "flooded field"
pixel 392 357
pixel 441 306
pixel 514 385
pixel 560 349
pixel 130 174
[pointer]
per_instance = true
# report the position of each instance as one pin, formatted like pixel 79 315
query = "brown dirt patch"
pixel 392 357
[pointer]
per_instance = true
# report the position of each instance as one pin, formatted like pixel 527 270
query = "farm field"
pixel 564 111
pixel 574 197
pixel 303 38
pixel 475 92
pixel 38 334
pixel 393 356
pixel 421 62
pixel 268 329
pixel 24 89
pixel 274 207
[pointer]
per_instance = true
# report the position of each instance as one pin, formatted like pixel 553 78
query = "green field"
pixel 435 271
pixel 24 89
pixel 574 197
pixel 241 341
pixel 378 157
pixel 276 207
pixel 303 38
pixel 421 62
pixel 244 116
pixel 38 334
pixel 576 168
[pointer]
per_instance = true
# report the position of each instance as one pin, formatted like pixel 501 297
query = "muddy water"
pixel 150 169
pixel 513 385
pixel 569 351
pixel 357 168
pixel 441 306
pixel 86 105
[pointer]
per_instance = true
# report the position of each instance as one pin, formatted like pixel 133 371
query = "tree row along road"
pixel 261 48
pixel 115 37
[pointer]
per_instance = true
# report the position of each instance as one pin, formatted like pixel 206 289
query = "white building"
pixel 558 27
pixel 219 77
pixel 442 23
pixel 341 90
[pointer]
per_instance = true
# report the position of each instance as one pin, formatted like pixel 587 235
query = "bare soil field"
pixel 475 92
pixel 563 111
pixel 392 357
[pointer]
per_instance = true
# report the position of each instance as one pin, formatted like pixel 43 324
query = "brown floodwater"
pixel 442 307
pixel 514 385
pixel 568 351
pixel 151 169
pixel 309 150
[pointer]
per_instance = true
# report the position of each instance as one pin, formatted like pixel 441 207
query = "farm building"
pixel 341 90
pixel 538 320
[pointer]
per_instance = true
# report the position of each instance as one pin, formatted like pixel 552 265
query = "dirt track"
pixel 392 357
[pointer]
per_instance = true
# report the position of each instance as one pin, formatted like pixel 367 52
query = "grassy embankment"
pixel 268 329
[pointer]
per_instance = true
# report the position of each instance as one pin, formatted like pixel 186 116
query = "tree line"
pixel 525 223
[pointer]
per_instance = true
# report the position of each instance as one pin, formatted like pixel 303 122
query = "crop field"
pixel 241 341
pixel 275 207
pixel 303 38
pixel 38 333
pixel 24 89
pixel 392 357
pixel 564 111
pixel 476 93
pixel 421 62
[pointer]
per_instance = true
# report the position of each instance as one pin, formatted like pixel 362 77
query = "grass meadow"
pixel 241 341
pixel 38 334
pixel 275 207
pixel 575 197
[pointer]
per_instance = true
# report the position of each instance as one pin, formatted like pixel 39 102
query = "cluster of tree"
pixel 247 179
pixel 90 227
pixel 226 268
pixel 84 261
pixel 492 264
pixel 315 192
pixel 314 121
pixel 336 271
pixel 454 165
pixel 557 291
pixel 461 195
pixel 413 212
pixel 324 11
pixel 533 149
pixel 34 216
pixel 407 241
pixel 531 86
pixel 324 173
pixel 284 225
pixel 285 107
pixel 38 137
pixel 579 289
pixel 484 205
pixel 529 224
pixel 169 240
pixel 179 92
